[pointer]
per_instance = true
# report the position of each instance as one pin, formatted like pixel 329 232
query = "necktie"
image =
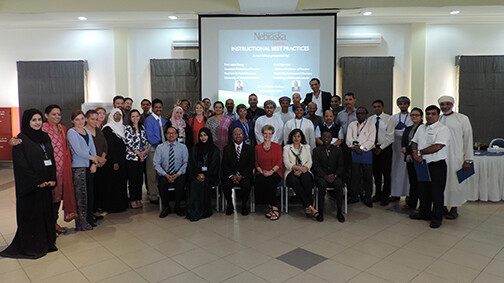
pixel 238 151
pixel 163 139
pixel 171 160
pixel 377 128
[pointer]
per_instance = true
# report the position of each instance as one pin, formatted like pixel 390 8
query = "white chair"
pixel 498 142
pixel 345 197
pixel 286 192
pixel 171 188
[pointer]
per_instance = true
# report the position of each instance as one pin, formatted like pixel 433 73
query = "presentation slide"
pixel 242 57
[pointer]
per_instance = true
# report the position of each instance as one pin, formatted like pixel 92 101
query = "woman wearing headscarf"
pixel 35 178
pixel 177 121
pixel 64 190
pixel 203 170
pixel 116 197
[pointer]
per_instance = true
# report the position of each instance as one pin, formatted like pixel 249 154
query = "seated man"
pixel 170 162
pixel 237 165
pixel 360 138
pixel 327 169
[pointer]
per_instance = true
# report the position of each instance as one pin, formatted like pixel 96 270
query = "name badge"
pixel 47 162
pixel 204 169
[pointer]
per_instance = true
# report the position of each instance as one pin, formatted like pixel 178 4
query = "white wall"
pixel 95 46
pixel 444 42
pixel 395 42
pixel 146 44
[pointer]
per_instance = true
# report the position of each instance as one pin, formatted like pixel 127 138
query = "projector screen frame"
pixel 200 16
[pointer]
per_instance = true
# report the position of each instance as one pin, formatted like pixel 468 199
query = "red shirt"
pixel 196 127
pixel 268 159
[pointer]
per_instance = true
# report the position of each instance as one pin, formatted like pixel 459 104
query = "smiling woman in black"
pixel 35 177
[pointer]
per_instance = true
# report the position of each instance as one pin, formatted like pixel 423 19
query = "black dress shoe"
pixel 179 211
pixel 319 216
pixel 164 212
pixel 244 211
pixel 154 201
pixel 368 203
pixel 230 210
pixel 435 224
pixel 376 198
pixel 419 216
pixel 340 216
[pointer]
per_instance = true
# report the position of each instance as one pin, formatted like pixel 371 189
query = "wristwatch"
pixel 419 153
pixel 468 161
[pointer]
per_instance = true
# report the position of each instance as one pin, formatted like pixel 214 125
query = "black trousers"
pixel 362 181
pixel 303 186
pixel 432 193
pixel 179 186
pixel 347 162
pixel 135 171
pixel 322 185
pixel 266 188
pixel 90 196
pixel 413 191
pixel 382 166
pixel 245 187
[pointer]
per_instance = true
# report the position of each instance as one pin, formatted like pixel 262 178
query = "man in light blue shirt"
pixel 170 162
pixel 154 130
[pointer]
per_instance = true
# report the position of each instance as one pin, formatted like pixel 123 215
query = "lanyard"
pixel 45 152
pixel 300 124
pixel 246 127
pixel 405 118
pixel 363 125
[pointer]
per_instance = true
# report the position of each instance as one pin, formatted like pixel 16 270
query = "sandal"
pixel 139 204
pixel 308 212
pixel 275 215
pixel 268 213
pixel 60 229
pixel 318 216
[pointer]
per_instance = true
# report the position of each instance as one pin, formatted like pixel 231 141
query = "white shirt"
pixel 364 133
pixel 427 135
pixel 318 101
pixel 285 116
pixel 305 125
pixel 386 130
pixel 238 145
pixel 274 121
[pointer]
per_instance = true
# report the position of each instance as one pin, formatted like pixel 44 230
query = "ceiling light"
pixel 367 13
pixel 172 17
pixel 454 12
pixel 82 18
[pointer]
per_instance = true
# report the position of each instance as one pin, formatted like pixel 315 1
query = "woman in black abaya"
pixel 35 177
pixel 203 170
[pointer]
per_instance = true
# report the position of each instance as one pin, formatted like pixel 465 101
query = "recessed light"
pixel 367 13
pixel 172 17
pixel 82 18
pixel 454 12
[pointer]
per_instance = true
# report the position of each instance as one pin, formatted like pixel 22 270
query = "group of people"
pixel 99 165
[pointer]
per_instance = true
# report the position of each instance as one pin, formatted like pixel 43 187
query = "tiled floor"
pixel 374 245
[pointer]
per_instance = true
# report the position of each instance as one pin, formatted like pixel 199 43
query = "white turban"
pixel 446 98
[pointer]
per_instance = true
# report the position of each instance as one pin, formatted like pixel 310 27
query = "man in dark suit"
pixel 237 165
pixel 321 98
pixel 327 169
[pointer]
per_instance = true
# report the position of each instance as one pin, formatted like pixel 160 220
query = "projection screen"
pixel 271 56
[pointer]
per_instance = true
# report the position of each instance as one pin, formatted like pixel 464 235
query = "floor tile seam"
pixel 266 279
pixel 59 273
pixel 251 267
pixel 102 260
pixel 196 265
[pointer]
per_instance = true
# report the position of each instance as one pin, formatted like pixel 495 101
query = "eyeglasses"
pixel 238 135
pixel 415 115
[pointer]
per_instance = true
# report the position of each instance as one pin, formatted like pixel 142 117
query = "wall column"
pixel 121 59
pixel 417 55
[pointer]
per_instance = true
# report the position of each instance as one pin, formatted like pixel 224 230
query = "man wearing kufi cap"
pixel 460 154
pixel 284 112
pixel 400 182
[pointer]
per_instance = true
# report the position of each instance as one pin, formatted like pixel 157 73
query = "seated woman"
pixel 83 151
pixel 203 170
pixel 35 178
pixel 268 163
pixel 298 161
